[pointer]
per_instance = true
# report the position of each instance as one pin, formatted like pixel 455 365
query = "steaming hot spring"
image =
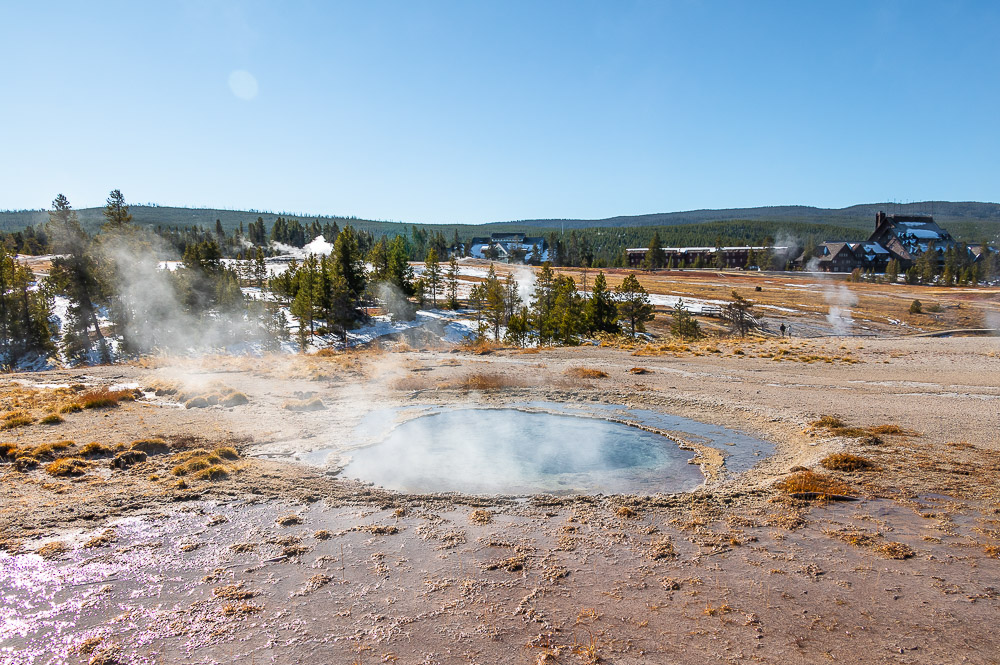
pixel 536 448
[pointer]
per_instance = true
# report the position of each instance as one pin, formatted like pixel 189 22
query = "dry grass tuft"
pixel 812 483
pixel 314 404
pixel 235 592
pixel 380 529
pixel 894 550
pixel 837 427
pixel 228 453
pixel 104 398
pixel 72 407
pixel 322 534
pixel 16 419
pixel 9 451
pixel 846 462
pixel 67 466
pixel 586 373
pixel 662 549
pixel 234 399
pixel 626 512
pixel 52 550
pixel 480 347
pixel 150 446
pixel 49 450
pixel 52 419
pixel 103 539
pixel 640 370
pixel 240 609
pixel 127 458
pixel 289 520
pixel 485 382
pixel 214 472
pixel 94 449
pixel 25 463
pixel 481 517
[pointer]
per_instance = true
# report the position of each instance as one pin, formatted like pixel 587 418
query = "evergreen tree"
pixel 892 271
pixel 74 274
pixel 682 324
pixel 433 273
pixel 600 311
pixel 116 211
pixel 633 304
pixel 453 282
pixel 738 314
pixel 24 314
pixel 655 256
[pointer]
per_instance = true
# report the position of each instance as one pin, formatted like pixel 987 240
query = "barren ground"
pixel 273 560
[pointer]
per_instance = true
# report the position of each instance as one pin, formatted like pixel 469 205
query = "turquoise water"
pixel 507 451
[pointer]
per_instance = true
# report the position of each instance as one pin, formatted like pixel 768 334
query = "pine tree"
pixel 75 275
pixel 655 256
pixel 633 304
pixel 683 325
pixel 433 274
pixel 116 211
pixel 738 314
pixel 453 282
pixel 600 311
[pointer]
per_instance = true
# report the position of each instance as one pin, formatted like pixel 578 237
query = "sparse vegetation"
pixel 67 466
pixel 586 373
pixel 16 419
pixel 105 399
pixel 846 462
pixel 311 404
pixel 806 484
pixel 52 419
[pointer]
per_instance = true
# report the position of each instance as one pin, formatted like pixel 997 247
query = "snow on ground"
pixel 693 305
pixel 778 309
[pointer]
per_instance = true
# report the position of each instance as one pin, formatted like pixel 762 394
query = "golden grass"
pixel 72 407
pixel 586 373
pixel 127 458
pixel 234 399
pixel 846 462
pixel 661 549
pixel 52 419
pixel 838 427
pixel 67 466
pixel 313 404
pixel 640 370
pixel 52 550
pixel 150 446
pixel 95 449
pixel 289 520
pixel 234 592
pixel 214 472
pixel 16 419
pixel 103 398
pixel 894 550
pixel 480 347
pixel 481 516
pixel 25 463
pixel 810 482
pixel 483 381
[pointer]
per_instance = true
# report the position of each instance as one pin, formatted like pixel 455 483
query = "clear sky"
pixel 478 111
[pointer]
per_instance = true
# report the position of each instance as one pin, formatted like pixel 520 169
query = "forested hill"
pixel 946 213
pixel 969 221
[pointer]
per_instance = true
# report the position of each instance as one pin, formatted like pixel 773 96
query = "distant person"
pixel 782 329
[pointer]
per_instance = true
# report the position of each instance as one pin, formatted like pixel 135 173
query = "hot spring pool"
pixel 509 451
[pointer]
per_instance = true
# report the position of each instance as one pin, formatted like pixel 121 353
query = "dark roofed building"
pixel 906 237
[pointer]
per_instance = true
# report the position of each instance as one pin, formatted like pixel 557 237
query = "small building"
pixel 510 247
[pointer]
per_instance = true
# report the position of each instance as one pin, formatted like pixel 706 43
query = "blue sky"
pixel 489 111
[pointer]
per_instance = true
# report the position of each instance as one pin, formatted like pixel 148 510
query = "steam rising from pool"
pixel 508 451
